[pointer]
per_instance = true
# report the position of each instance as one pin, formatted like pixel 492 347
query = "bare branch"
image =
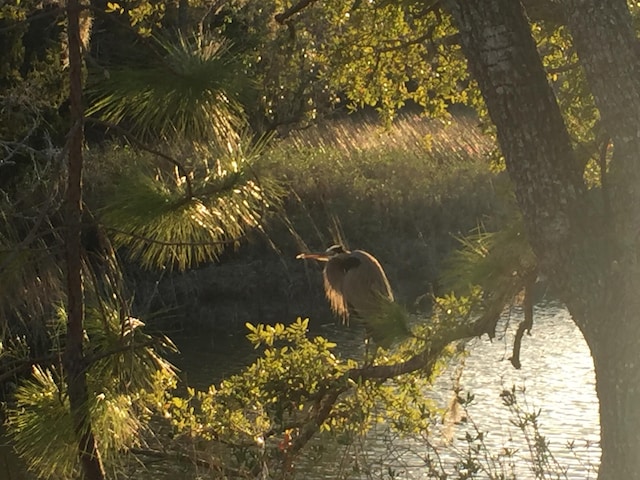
pixel 527 323
pixel 289 12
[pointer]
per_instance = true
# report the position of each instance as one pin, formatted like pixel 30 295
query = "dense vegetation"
pixel 157 155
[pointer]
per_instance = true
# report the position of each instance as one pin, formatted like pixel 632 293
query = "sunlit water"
pixel 557 377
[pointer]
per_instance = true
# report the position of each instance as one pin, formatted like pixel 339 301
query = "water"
pixel 557 377
pixel 559 381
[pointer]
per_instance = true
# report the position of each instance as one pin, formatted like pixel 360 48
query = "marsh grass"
pixel 403 193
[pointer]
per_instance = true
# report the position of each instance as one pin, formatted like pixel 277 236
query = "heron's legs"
pixel 368 360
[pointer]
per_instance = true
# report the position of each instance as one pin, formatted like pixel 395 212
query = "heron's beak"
pixel 321 257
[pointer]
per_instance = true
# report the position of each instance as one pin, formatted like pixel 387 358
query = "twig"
pixel 289 12
pixel 133 138
pixel 32 234
pixel 88 360
pixel 527 323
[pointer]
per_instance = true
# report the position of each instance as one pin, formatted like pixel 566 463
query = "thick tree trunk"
pixel 548 182
pixel 74 361
pixel 609 52
pixel 616 359
pixel 591 259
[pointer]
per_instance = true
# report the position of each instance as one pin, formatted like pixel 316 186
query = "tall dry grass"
pixel 402 193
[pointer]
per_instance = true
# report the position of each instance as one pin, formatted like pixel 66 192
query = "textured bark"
pixel 74 361
pixel 591 258
pixel 609 52
pixel 606 43
pixel 503 58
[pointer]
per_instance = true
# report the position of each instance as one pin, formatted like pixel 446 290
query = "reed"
pixel 403 192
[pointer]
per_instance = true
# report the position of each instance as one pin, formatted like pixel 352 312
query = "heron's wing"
pixel 373 275
pixel 334 274
pixel 366 285
pixel 366 288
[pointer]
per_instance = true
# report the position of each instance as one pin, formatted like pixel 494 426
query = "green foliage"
pixel 385 54
pixel 187 93
pixel 574 98
pixel 164 218
pixel 143 15
pixel 494 260
pixel 125 374
pixel 388 325
pixel 187 211
pixel 266 414
pixel 499 264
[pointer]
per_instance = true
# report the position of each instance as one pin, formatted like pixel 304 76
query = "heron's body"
pixel 354 282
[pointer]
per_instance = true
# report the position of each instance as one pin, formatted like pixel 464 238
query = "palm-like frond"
pixel 502 263
pixel 187 92
pixel 124 367
pixel 159 224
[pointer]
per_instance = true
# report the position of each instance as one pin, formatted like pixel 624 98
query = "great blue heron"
pixel 355 284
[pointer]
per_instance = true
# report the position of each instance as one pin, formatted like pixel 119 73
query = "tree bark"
pixel 591 260
pixel 502 56
pixel 609 52
pixel 74 361
pixel 606 43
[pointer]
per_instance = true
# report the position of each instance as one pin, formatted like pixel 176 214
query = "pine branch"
pixel 176 244
pixel 133 138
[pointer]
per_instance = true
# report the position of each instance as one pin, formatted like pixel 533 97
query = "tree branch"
pixel 88 360
pixel 175 244
pixel 289 12
pixel 526 324
pixel 424 360
pixel 131 137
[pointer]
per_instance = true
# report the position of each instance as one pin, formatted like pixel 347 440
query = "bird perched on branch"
pixel 355 285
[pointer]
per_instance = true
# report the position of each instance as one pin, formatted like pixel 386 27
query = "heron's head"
pixel 328 254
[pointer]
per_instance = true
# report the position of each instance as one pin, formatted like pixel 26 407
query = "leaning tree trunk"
pixel 589 254
pixel 609 51
pixel 74 361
